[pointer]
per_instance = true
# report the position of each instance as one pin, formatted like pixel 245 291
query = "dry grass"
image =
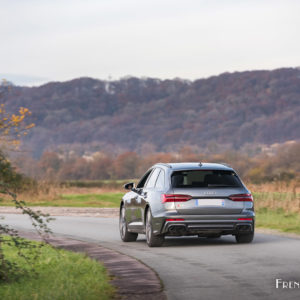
pixel 45 192
pixel 274 196
pixel 85 190
pixel 277 195
pixel 277 204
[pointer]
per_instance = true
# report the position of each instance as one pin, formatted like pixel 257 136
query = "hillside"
pixel 231 110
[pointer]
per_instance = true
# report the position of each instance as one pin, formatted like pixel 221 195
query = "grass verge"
pixel 61 275
pixel 109 199
pixel 278 219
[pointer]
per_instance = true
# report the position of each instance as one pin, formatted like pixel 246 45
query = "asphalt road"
pixel 198 268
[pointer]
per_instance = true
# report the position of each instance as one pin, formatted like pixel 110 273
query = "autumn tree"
pixel 125 165
pixel 100 166
pixel 12 128
pixel 50 164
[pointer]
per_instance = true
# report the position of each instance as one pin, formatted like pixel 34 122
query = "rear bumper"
pixel 208 226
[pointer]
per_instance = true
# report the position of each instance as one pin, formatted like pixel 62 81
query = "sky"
pixel 58 40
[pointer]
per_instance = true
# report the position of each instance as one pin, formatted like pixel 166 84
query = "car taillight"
pixel 175 198
pixel 244 219
pixel 241 197
pixel 170 220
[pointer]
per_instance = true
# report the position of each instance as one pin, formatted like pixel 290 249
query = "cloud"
pixel 171 38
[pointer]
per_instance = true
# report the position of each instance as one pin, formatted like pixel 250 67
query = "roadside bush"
pixel 10 270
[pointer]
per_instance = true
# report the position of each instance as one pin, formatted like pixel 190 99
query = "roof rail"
pixel 164 164
pixel 225 164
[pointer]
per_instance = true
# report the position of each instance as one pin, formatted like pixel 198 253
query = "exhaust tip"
pixel 177 230
pixel 244 227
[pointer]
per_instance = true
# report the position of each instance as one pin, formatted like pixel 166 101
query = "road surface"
pixel 198 268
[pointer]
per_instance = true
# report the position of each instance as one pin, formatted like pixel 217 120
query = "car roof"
pixel 194 166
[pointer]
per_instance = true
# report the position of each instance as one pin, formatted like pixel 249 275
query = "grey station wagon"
pixel 180 199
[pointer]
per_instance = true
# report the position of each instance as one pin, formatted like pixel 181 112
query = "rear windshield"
pixel 204 179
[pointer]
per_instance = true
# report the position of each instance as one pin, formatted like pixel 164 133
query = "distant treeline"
pixel 282 164
pixel 229 111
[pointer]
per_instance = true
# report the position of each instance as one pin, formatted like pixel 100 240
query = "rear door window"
pixel 205 179
pixel 153 177
pixel 160 182
pixel 143 180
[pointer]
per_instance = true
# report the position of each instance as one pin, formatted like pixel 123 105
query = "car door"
pixel 134 204
pixel 145 195
pixel 151 192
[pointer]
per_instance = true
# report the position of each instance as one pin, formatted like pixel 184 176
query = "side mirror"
pixel 129 186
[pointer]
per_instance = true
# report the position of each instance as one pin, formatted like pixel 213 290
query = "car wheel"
pixel 244 238
pixel 152 240
pixel 126 236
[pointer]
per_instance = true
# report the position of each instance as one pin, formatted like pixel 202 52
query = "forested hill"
pixel 229 110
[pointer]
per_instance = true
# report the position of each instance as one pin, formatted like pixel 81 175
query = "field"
pixel 277 204
pixel 278 219
pixel 278 195
pixel 81 198
pixel 60 275
pixel 81 194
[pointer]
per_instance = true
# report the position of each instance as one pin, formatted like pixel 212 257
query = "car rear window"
pixel 204 179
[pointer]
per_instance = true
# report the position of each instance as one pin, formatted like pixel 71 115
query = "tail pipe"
pixel 177 230
pixel 244 227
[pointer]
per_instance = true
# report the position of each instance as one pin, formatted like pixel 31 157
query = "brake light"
pixel 244 219
pixel 175 198
pixel 241 197
pixel 170 220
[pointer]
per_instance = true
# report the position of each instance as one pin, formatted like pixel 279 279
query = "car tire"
pixel 152 240
pixel 126 236
pixel 244 238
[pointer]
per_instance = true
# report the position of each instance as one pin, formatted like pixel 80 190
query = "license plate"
pixel 210 202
